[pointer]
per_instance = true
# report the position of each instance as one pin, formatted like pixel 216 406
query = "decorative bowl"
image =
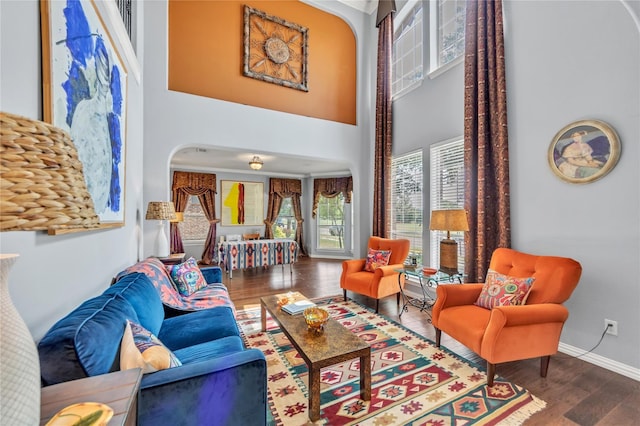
pixel 429 271
pixel 315 318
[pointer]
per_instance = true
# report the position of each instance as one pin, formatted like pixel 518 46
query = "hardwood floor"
pixel 576 392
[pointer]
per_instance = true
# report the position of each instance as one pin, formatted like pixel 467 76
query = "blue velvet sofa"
pixel 220 382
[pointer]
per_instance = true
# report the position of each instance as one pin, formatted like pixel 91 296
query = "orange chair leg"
pixel 491 371
pixel 438 336
pixel 377 305
pixel 544 365
pixel 344 293
pixel 398 299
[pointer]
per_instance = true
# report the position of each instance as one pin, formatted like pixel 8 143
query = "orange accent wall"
pixel 206 56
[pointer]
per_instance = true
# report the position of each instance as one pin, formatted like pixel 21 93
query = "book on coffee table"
pixel 297 307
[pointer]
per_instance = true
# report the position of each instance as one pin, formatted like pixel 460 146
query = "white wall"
pixel 54 274
pixel 565 61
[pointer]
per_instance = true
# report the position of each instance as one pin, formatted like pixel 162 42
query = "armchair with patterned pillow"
pixel 375 276
pixel 516 314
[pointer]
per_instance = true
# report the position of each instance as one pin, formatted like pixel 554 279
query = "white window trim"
pixel 347 250
pixel 397 19
pixel 434 45
pixel 443 69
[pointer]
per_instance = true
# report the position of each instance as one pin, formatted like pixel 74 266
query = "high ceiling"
pixel 221 159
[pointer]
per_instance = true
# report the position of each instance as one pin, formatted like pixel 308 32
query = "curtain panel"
pixel 202 185
pixel 384 119
pixel 279 189
pixel 486 147
pixel 331 187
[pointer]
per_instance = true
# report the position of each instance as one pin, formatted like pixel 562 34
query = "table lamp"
pixel 161 211
pixel 449 220
pixel 179 218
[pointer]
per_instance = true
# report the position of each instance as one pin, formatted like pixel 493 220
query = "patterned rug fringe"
pixel 520 416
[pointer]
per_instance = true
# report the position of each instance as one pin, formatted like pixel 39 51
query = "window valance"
pixel 331 187
pixel 194 180
pixel 285 187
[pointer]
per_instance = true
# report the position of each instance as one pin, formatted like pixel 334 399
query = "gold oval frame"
pixel 584 165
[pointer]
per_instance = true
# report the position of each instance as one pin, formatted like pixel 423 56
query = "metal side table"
pixel 428 284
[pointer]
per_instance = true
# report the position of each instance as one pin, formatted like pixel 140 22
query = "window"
pixel 447 33
pixel 330 225
pixel 285 224
pixel 195 225
pixel 407 49
pixel 406 201
pixel 447 191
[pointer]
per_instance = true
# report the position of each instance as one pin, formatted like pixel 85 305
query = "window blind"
pixel 447 191
pixel 407 200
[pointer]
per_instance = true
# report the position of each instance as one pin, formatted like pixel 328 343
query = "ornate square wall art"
pixel 85 94
pixel 584 151
pixel 275 50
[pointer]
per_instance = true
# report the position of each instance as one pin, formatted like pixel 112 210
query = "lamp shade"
pixel 449 220
pixel 160 210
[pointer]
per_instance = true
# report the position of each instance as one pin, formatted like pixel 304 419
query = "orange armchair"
pixel 383 281
pixel 510 333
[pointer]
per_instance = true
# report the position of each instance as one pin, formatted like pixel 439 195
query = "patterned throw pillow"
pixel 142 349
pixel 502 290
pixel 376 259
pixel 187 277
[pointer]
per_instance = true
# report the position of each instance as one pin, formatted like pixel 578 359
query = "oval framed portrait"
pixel 584 151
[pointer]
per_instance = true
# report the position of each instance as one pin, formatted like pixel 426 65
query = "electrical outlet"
pixel 612 326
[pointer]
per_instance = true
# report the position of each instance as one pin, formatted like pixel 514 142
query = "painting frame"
pixel 241 207
pixel 275 50
pixel 584 151
pixel 85 90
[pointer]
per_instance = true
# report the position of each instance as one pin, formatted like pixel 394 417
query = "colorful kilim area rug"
pixel 413 381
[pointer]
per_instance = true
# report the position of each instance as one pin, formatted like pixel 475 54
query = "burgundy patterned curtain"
pixel 331 187
pixel 486 147
pixel 383 141
pixel 203 185
pixel 279 189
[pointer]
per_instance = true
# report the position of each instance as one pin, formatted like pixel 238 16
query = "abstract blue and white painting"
pixel 88 99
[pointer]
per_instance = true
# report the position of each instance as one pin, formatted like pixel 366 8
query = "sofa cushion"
pixel 208 350
pixel 197 327
pixel 503 290
pixel 187 277
pixel 85 342
pixel 142 349
pixel 142 295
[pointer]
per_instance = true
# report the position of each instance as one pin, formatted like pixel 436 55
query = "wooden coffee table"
pixel 336 344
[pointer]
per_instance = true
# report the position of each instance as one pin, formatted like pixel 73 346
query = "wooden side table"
pixel 118 390
pixel 172 259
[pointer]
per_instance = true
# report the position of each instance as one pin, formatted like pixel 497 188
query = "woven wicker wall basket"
pixel 41 181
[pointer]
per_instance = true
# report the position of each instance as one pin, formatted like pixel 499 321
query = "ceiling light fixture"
pixel 255 163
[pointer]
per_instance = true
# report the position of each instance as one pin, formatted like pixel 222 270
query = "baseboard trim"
pixel 600 361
